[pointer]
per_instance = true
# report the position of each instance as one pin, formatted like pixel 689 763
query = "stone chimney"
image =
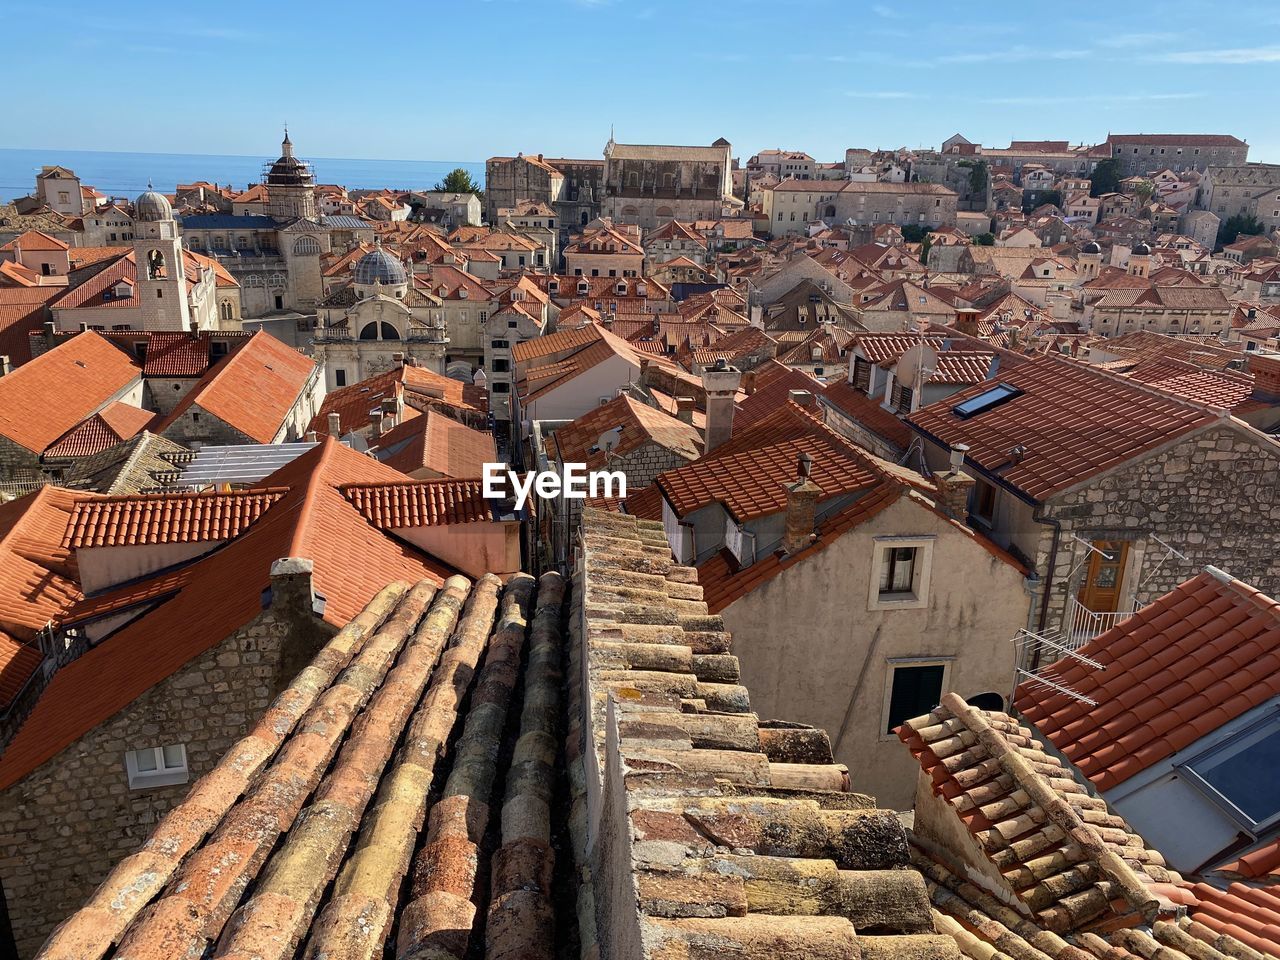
pixel 804 398
pixel 1266 374
pixel 684 409
pixel 721 385
pixel 335 425
pixel 802 505
pixel 312 437
pixel 375 424
pixel 955 486
pixel 390 413
pixel 967 322
pixel 749 382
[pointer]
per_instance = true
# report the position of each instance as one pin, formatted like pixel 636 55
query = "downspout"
pixel 1047 584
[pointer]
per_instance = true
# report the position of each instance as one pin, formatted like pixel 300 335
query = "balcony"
pixel 1082 624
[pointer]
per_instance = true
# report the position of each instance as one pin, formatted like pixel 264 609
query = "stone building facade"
pixel 649 185
pixel 1252 190
pixel 65 824
pixel 1139 154
pixel 572 188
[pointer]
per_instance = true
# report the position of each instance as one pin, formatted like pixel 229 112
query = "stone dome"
pixel 1142 249
pixel 1091 247
pixel 152 206
pixel 378 266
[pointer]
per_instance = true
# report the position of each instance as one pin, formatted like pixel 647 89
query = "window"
pixel 159 294
pixel 340 377
pixel 501 365
pixel 156 766
pixel 499 344
pixel 500 387
pixel 900 573
pixel 984 501
pixel 1242 773
pixel 988 399
pixel 912 688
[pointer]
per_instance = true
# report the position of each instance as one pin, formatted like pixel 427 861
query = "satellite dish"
pixel 917 364
pixel 609 439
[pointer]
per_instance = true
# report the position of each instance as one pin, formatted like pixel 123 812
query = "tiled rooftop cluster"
pixel 1041 867
pixel 353 819
pixel 705 831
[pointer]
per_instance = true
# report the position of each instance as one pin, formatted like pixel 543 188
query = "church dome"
pixel 378 266
pixel 1091 247
pixel 1143 249
pixel 288 171
pixel 152 206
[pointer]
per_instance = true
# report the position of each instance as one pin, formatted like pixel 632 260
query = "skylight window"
pixel 987 400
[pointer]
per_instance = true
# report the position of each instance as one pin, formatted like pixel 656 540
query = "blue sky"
pixel 466 80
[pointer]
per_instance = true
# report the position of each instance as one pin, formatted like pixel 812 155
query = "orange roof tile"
pixel 213 596
pixel 1074 421
pixel 867 411
pixel 422 503
pixel 18 661
pixel 110 425
pixel 438 443
pixel 23 311
pixel 1206 652
pixel 167 518
pixel 38 576
pixel 576 442
pixel 35 240
pixel 252 390
pixel 43 399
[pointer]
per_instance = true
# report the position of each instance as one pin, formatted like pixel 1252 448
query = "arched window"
pixel 665 211
pixel 225 310
pixel 306 247
pixel 375 330
pixel 584 218
pixel 253 280
pixel 277 280
pixel 830 211
pixel 155 265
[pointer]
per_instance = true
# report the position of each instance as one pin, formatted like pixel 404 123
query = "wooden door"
pixel 1100 589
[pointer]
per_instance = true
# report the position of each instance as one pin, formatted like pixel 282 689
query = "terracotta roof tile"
pixel 868 412
pixel 38 575
pixel 110 425
pixel 1072 420
pixel 253 390
pixel 167 518
pixel 1207 651
pixel 576 442
pixel 437 443
pixel 43 399
pixel 421 503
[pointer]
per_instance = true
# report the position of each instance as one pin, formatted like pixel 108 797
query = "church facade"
pixel 649 185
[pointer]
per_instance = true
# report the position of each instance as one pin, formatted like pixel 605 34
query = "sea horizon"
pixel 126 173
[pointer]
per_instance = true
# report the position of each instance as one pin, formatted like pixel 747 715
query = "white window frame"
pixel 919 596
pixel 892 664
pixel 163 775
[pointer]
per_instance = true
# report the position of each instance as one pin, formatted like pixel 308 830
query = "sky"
pixel 468 79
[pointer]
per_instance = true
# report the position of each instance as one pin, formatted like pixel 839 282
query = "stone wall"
pixel 200 426
pixel 17 463
pixel 63 826
pixel 1213 496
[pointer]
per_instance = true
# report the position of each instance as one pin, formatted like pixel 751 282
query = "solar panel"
pixel 243 464
pixel 1001 393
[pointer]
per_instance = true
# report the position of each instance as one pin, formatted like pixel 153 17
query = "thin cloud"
pixel 886 11
pixel 1235 55
pixel 1098 98
pixel 882 94
pixel 1018 53
pixel 1120 41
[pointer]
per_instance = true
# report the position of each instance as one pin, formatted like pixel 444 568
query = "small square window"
pixel 163 766
pixel 900 573
pixel 897 571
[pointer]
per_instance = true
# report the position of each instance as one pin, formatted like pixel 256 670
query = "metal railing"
pixel 1083 624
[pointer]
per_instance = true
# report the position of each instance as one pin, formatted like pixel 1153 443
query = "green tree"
pixel 1105 178
pixel 458 180
pixel 985 239
pixel 1238 224
pixel 925 246
pixel 1143 192
pixel 913 233
pixel 1044 196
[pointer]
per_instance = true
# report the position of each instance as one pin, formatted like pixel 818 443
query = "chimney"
pixel 967 322
pixel 335 426
pixel 375 424
pixel 955 486
pixel 721 385
pixel 292 592
pixel 803 397
pixel 1266 375
pixel 749 382
pixel 390 411
pixel 312 437
pixel 802 504
pixel 684 409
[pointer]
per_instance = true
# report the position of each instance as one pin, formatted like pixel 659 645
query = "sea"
pixel 126 174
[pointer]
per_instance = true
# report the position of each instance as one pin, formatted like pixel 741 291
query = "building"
pixel 148 696
pixel 1140 154
pixel 60 189
pixel 275 255
pixel 572 188
pixel 1112 491
pixel 783 164
pixel 648 185
pixel 786 508
pixel 605 252
pixel 1209 652
pixel 1250 190
pixel 792 205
